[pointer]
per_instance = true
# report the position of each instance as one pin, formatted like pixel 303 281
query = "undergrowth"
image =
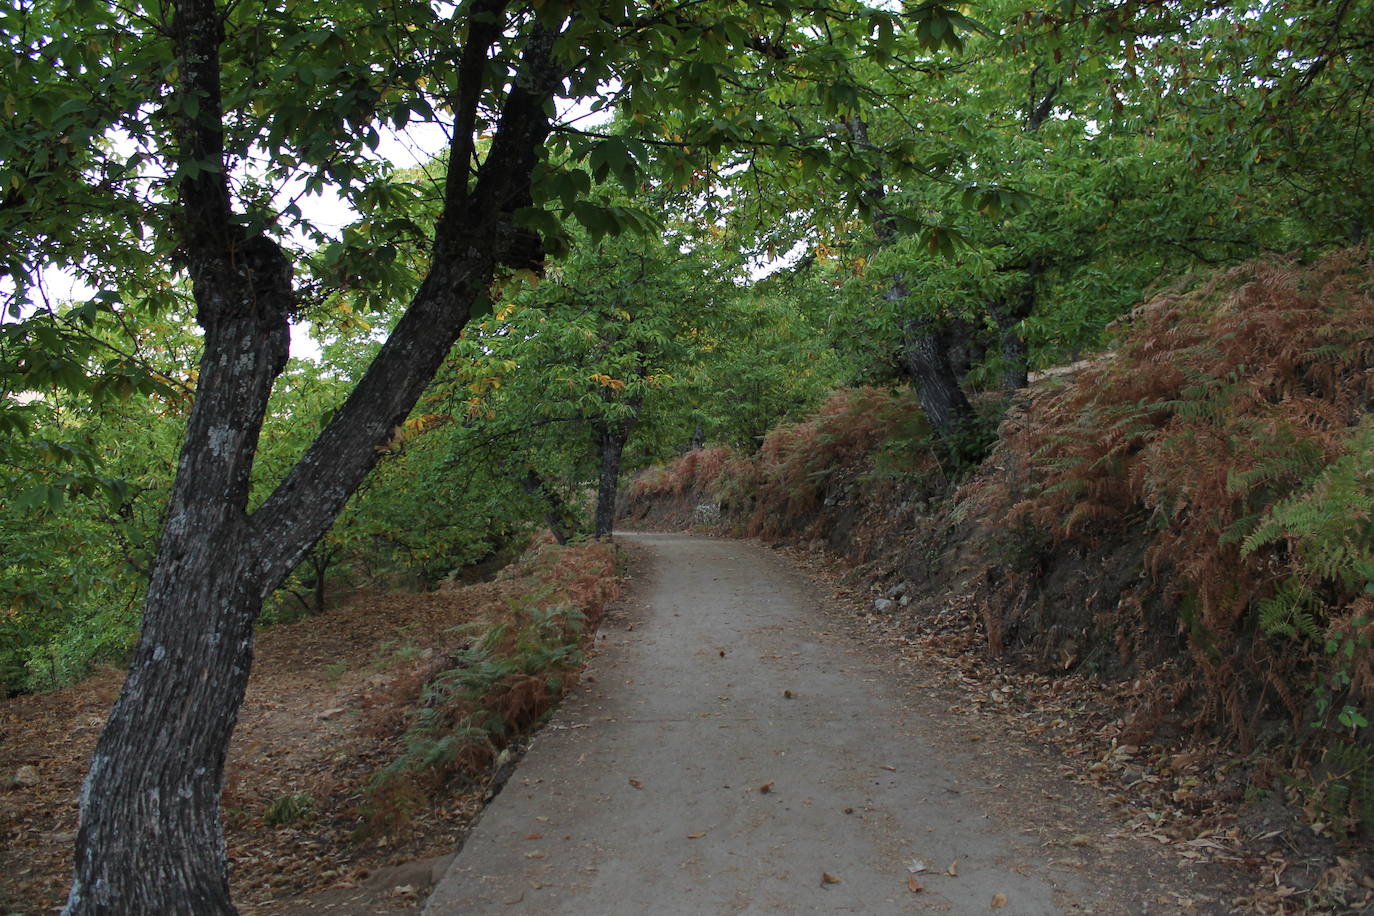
pixel 1233 430
pixel 861 445
pixel 504 675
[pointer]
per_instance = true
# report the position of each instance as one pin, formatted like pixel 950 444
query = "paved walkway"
pixel 727 754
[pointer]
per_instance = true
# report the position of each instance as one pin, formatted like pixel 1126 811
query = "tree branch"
pixel 474 236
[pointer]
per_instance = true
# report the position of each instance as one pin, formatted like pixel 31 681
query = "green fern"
pixel 1328 524
pixel 1290 612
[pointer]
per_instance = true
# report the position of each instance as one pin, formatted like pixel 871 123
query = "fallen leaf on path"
pixel 883 766
pixel 534 855
pixel 1080 839
pixel 828 878
pixel 636 783
pixel 536 885
pixel 953 870
pixel 695 836
pixel 787 694
pixel 766 788
pixel 914 886
pixel 534 836
pixel 916 866
pixel 999 901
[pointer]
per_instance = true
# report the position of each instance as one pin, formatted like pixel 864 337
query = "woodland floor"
pixel 327 695
pixel 321 716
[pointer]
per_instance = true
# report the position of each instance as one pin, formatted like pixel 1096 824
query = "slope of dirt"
pixel 324 711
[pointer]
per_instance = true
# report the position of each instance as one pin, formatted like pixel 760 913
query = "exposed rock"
pixel 883 605
pixel 26 776
pixel 706 514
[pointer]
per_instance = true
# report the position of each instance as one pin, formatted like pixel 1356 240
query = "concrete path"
pixel 727 754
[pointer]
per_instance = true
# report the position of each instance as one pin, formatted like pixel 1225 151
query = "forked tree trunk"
pixel 150 841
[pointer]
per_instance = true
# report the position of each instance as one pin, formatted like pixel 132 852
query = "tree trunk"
pixel 1016 374
pixel 924 353
pixel 319 561
pixel 150 841
pixel 612 437
pixel 926 361
pixel 555 511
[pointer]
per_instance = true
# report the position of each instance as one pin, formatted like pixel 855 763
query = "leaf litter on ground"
pixel 368 659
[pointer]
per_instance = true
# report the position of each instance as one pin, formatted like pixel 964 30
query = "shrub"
pixel 286 810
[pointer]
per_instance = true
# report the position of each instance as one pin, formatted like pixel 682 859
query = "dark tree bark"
pixel 555 510
pixel 924 351
pixel 611 438
pixel 925 357
pixel 151 840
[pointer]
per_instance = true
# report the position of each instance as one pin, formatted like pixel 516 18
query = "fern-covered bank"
pixel 1188 518
pixel 497 680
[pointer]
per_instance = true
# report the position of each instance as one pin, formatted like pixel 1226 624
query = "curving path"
pixel 727 754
